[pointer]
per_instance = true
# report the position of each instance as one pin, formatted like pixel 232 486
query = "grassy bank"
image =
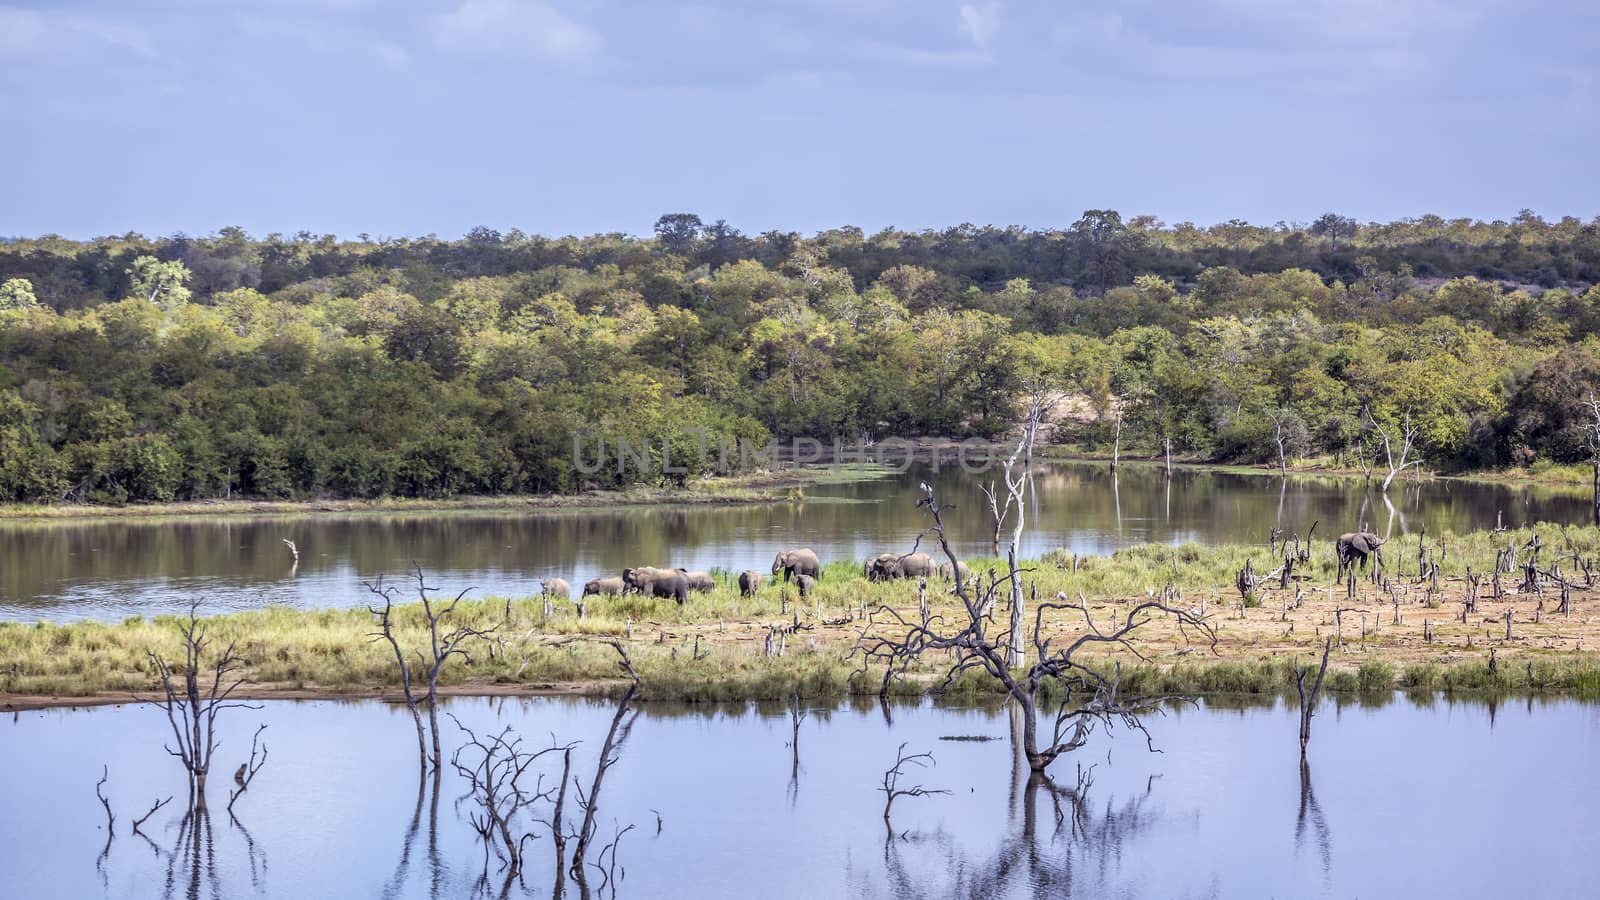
pixel 715 646
pixel 762 487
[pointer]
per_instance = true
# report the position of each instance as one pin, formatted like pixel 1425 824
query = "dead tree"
pixel 111 819
pixel 1279 418
pixel 496 769
pixel 891 782
pixel 1116 445
pixel 193 702
pixel 1406 437
pixel 610 751
pixel 440 648
pixel 1308 701
pixel 247 770
pixel 1591 433
pixel 1090 698
pixel 1016 487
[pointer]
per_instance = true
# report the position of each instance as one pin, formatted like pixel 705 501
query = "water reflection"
pixel 342 812
pixel 113 568
pixel 1311 813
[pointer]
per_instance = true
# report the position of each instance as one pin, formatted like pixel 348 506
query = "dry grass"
pixel 713 648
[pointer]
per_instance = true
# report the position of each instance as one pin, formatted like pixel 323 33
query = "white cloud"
pixel 517 26
pixel 980 22
pixel 60 37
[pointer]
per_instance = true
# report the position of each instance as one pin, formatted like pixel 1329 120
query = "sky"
pixel 412 117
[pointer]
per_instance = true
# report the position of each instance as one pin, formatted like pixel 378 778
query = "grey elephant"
pixel 657 582
pixel 961 569
pixel 699 581
pixel 611 585
pixel 879 567
pixel 889 566
pixel 749 580
pixel 797 562
pixel 557 587
pixel 1355 548
pixel 805 583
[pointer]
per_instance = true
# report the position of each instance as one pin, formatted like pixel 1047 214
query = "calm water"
pixel 1401 800
pixel 113 568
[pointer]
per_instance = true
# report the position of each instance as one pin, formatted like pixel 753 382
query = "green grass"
pixel 332 650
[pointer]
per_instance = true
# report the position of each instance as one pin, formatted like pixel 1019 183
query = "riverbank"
pixel 1407 632
pixel 761 487
pixel 1544 474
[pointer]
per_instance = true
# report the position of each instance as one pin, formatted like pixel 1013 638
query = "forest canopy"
pixel 152 369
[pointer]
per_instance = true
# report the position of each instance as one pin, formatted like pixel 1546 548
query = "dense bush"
pixel 139 369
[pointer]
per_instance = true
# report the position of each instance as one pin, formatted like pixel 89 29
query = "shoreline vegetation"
pixel 772 486
pixel 1401 632
pixel 767 486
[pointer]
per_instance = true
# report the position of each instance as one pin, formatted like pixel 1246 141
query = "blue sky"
pixel 407 117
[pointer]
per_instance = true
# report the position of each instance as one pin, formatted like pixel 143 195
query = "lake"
pixel 112 568
pixel 1402 798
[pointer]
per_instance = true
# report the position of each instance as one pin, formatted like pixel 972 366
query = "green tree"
pixel 17 294
pixel 159 282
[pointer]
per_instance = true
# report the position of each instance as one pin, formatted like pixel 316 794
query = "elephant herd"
pixel 800 566
pixel 803 568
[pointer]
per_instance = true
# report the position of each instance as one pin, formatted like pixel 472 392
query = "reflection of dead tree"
pixel 891 782
pixel 193 858
pixel 1080 856
pixel 440 648
pixel 1089 698
pixel 1308 700
pixel 398 879
pixel 192 707
pixel 1311 812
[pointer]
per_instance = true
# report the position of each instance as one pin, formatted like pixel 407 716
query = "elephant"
pixel 879 567
pixel 1353 549
pixel 797 562
pixel 557 587
pixel 961 569
pixel 749 580
pixel 612 585
pixel 658 582
pixel 805 583
pixel 889 566
pixel 699 581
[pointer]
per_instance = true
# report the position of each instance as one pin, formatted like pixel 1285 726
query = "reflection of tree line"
pixel 35 558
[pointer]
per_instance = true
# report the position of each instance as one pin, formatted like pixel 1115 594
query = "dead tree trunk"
pixel 1116 445
pixel 192 705
pixel 1308 701
pixel 440 647
pixel 1407 437
pixel 891 783
pixel 1095 696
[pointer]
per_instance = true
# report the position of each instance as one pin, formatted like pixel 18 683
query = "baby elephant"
pixel 805 583
pixel 612 585
pixel 557 587
pixel 749 580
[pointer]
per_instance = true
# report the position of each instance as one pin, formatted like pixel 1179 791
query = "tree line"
pixel 156 369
